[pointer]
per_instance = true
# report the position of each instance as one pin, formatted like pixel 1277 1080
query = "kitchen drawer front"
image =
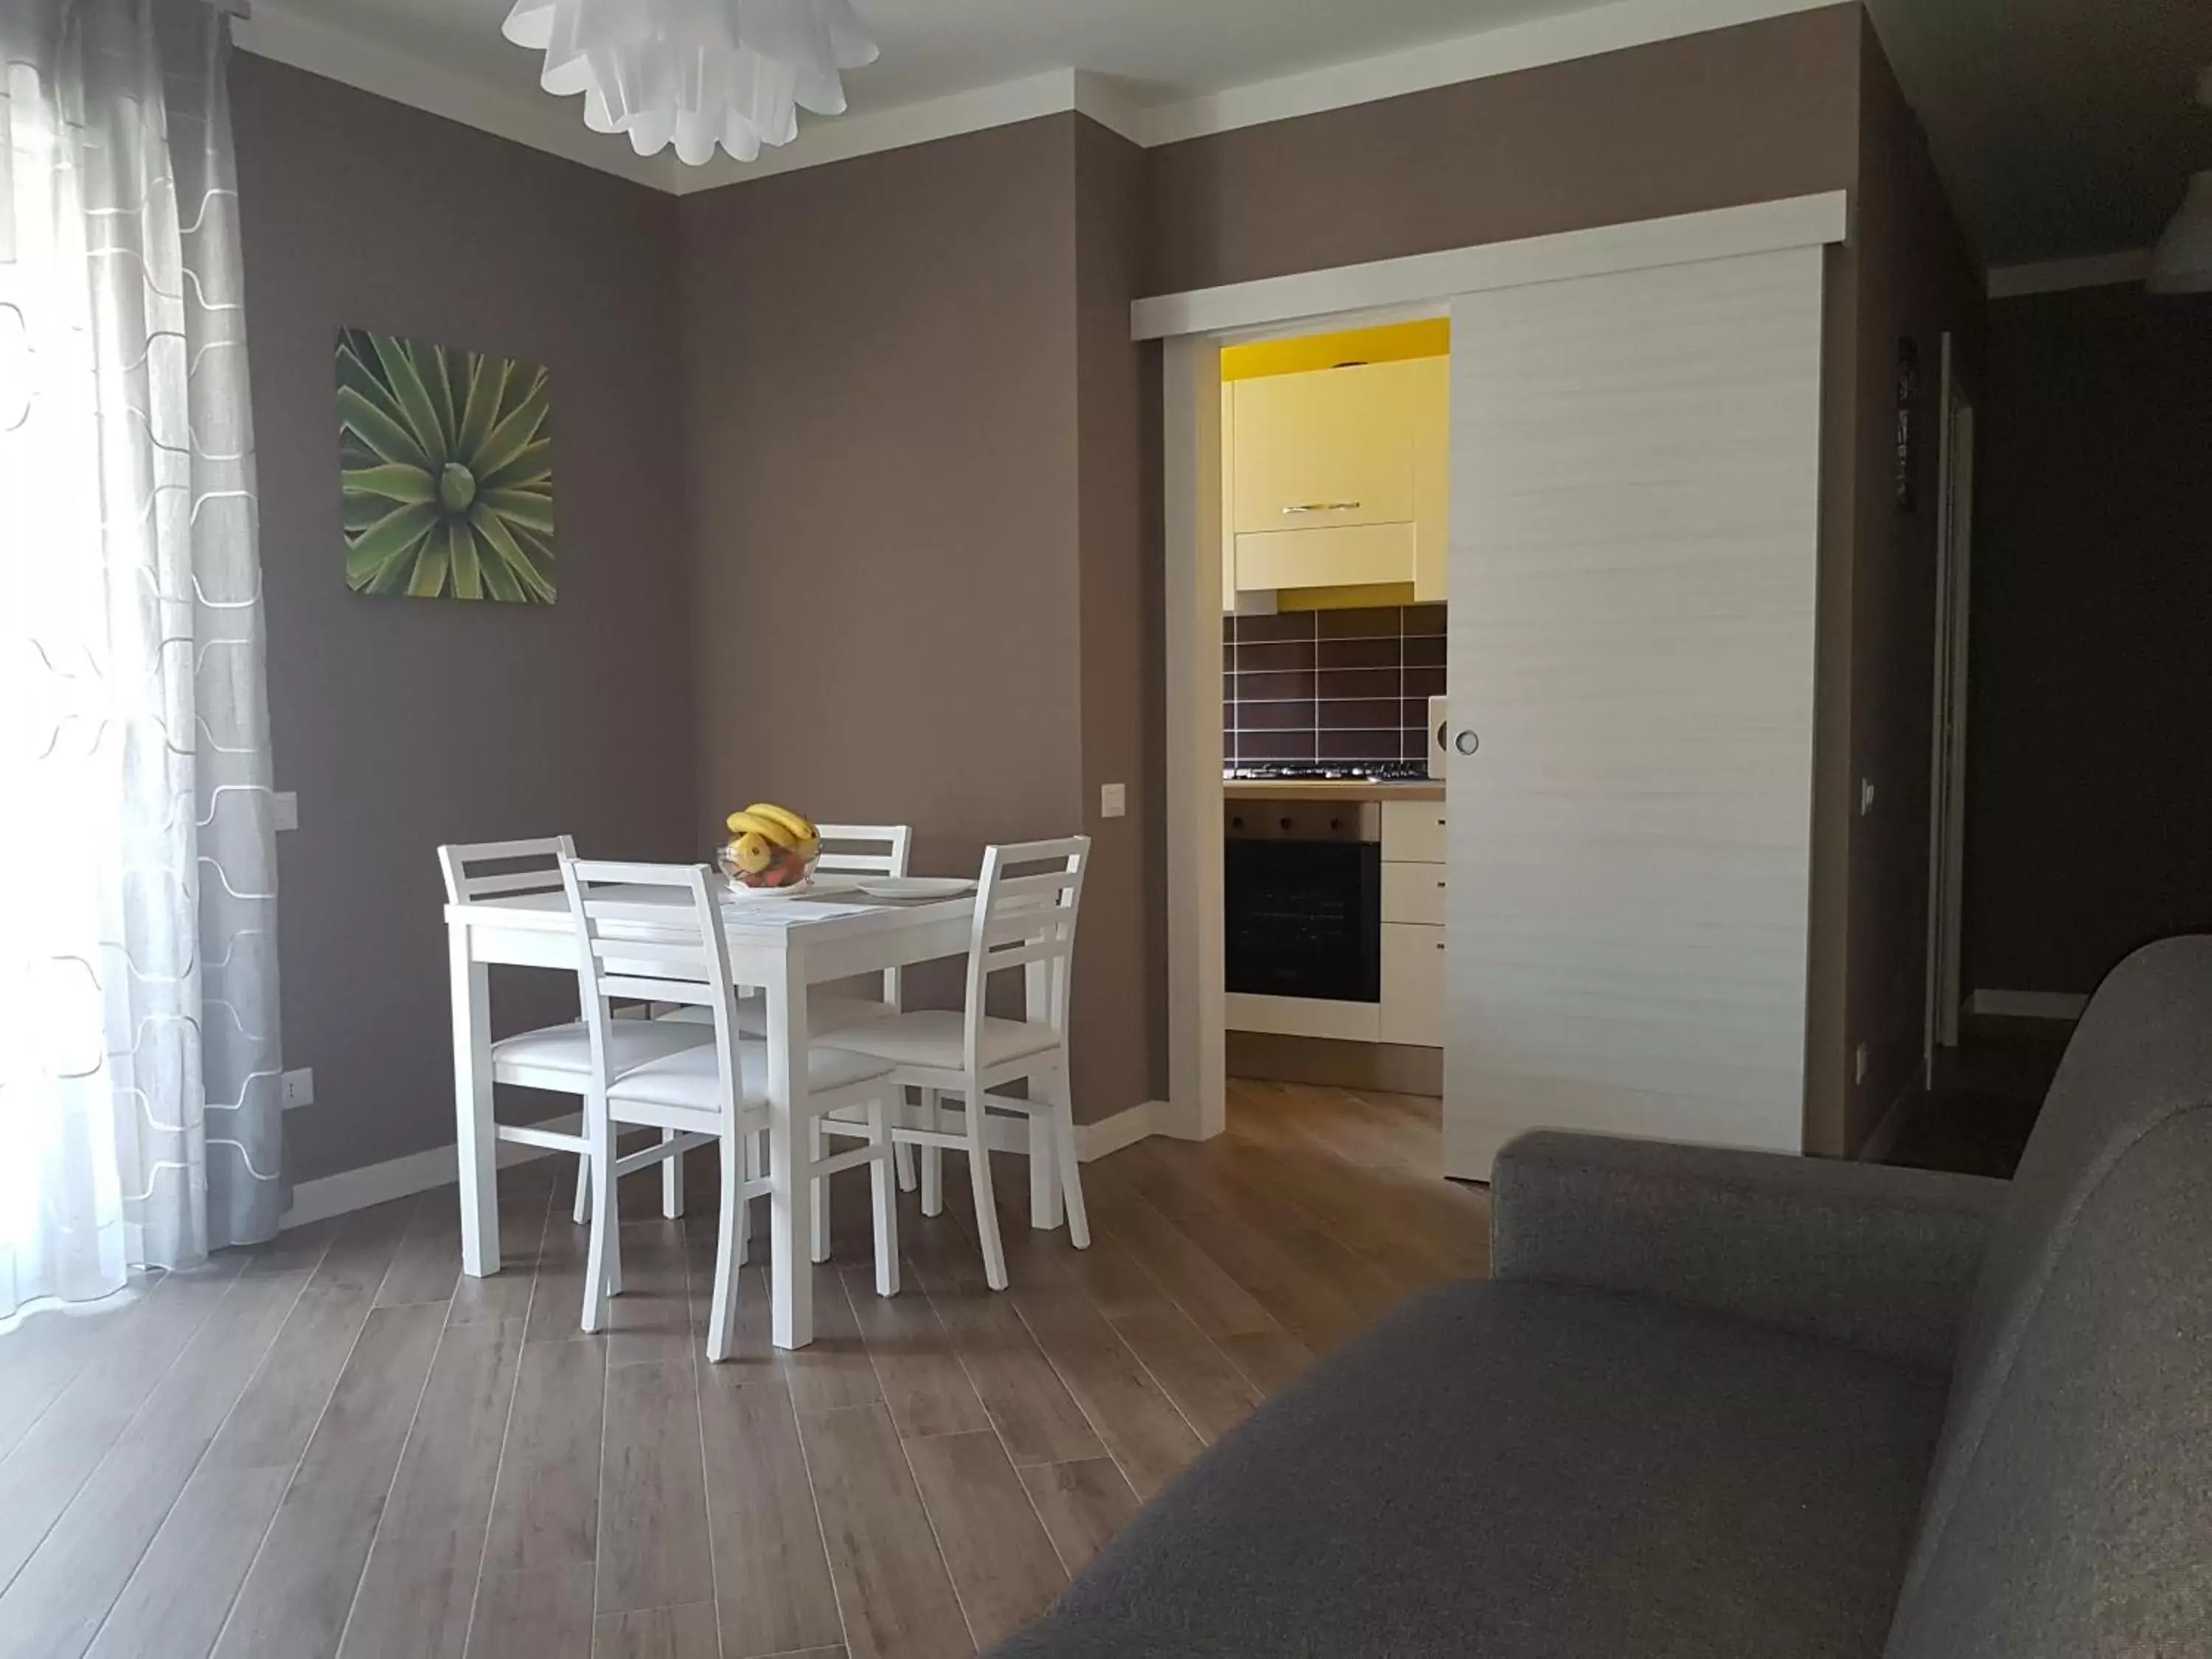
pixel 1326 557
pixel 1413 892
pixel 1412 984
pixel 1412 832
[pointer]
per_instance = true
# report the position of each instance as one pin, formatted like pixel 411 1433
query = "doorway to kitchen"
pixel 1741 287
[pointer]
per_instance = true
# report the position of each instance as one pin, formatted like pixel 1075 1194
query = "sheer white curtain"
pixel 139 1087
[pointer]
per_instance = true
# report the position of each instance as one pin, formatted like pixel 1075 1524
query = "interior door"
pixel 1635 498
pixel 1947 824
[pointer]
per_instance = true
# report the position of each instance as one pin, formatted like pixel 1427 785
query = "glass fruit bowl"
pixel 787 867
pixel 771 849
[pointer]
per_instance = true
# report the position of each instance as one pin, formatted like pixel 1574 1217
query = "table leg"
pixel 790 1199
pixel 1044 1168
pixel 473 1134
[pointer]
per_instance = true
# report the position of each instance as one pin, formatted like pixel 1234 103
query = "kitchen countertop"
pixel 1328 789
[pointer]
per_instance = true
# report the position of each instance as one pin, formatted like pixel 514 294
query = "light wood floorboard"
pixel 337 1447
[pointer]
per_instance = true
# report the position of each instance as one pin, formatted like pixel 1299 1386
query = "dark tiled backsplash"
pixel 1331 685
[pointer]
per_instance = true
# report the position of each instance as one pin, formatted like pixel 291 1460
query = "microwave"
pixel 1438 749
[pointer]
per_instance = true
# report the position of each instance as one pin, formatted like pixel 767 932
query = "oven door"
pixel 1305 919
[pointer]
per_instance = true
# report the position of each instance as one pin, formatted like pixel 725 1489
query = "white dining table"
pixel 781 945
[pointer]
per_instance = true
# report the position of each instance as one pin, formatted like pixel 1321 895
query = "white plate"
pixel 907 887
pixel 820 887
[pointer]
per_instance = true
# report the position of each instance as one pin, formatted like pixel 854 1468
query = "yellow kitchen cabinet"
pixel 1339 476
pixel 1228 496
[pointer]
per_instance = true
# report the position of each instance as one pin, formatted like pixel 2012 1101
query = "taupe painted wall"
pixel 914 455
pixel 2088 794
pixel 884 482
pixel 1121 1029
pixel 1716 119
pixel 1915 280
pixel 405 723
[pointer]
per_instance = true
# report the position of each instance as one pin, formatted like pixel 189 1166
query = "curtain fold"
pixel 140 1078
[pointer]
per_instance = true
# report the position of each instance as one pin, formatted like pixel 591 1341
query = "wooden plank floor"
pixel 333 1447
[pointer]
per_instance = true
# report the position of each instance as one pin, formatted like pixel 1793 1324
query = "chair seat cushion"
pixel 933 1037
pixel 691 1078
pixel 825 1014
pixel 1509 1471
pixel 567 1048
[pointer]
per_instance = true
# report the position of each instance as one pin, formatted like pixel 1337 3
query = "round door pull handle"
pixel 1467 743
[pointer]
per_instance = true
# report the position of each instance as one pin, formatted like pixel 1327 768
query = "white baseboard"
pixel 1111 1134
pixel 419 1172
pixel 398 1177
pixel 2029 1004
pixel 1883 1136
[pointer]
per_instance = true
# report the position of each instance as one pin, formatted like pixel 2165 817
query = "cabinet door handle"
pixel 1322 507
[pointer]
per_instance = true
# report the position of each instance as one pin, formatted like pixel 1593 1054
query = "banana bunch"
pixel 767 840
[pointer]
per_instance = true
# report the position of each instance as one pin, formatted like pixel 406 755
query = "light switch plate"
pixel 1866 796
pixel 1113 800
pixel 299 1088
pixel 284 809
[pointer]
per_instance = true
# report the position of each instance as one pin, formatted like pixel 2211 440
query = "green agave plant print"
pixel 448 472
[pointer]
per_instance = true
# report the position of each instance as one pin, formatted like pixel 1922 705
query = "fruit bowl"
pixel 769 847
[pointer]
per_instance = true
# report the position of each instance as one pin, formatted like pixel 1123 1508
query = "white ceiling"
pixel 2063 127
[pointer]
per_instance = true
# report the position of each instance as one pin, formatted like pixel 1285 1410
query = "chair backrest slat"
pixel 867 849
pixel 629 946
pixel 1026 922
pixel 478 870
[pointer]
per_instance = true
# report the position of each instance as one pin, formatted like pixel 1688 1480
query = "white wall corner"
pixel 823 140
pixel 1104 100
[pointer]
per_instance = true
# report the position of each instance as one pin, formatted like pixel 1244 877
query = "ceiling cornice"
pixel 1503 51
pixel 2056 276
pixel 554 125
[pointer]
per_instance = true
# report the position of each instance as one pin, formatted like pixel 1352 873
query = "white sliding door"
pixel 1635 502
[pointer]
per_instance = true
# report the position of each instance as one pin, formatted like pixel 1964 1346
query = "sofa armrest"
pixel 1882 1260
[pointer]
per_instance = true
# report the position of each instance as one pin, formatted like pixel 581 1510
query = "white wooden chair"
pixel 847 849
pixel 1024 921
pixel 557 1057
pixel 717 1092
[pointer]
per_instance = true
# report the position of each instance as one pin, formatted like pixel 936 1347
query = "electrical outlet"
pixel 299 1088
pixel 1866 796
pixel 1859 1063
pixel 1113 800
pixel 283 810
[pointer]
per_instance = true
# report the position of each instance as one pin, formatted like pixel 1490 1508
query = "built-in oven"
pixel 1304 899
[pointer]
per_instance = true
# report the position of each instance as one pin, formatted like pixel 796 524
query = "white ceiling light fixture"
pixel 696 73
pixel 2182 261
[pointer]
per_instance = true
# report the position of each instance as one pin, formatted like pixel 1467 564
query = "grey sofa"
pixel 1722 1404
